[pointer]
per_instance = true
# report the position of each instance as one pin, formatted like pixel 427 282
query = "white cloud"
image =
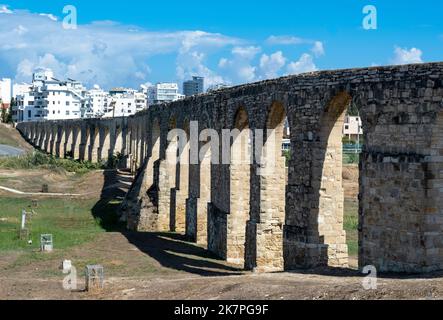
pixel 247 73
pixel 20 30
pixel 318 49
pixel 304 64
pixel 102 52
pixel 407 56
pixel 5 9
pixel 246 52
pixel 239 68
pixel 223 63
pixel 110 54
pixel 271 65
pixel 50 16
pixel 193 63
pixel 284 40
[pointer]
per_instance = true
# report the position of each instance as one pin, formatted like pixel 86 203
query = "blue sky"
pixel 128 43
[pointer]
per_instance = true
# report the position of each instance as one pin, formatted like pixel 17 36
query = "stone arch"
pixel 149 217
pixel 264 242
pixel 181 191
pixel 41 136
pixel 328 184
pixel 239 177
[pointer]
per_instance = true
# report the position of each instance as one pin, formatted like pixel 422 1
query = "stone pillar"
pixel 182 191
pixel 240 170
pixel 167 182
pixel 94 147
pixel 76 143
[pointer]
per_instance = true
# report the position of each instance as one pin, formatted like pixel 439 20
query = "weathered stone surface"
pixel 251 219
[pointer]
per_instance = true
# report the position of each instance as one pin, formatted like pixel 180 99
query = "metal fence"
pixel 352 148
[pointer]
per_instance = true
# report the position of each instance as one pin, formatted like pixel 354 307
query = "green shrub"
pixel 41 160
pixel 287 155
pixel 351 158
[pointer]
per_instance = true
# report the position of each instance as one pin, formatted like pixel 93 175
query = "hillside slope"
pixel 11 137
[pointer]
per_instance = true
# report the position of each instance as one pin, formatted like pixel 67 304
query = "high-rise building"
pixel 194 86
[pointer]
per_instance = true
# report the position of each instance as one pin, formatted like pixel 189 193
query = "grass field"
pixel 70 221
pixel 351 225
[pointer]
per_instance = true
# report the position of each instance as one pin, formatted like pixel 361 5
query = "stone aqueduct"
pixel 248 218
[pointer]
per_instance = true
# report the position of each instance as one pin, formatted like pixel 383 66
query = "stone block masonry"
pixel 256 219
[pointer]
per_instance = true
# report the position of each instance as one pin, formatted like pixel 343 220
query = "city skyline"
pixel 112 48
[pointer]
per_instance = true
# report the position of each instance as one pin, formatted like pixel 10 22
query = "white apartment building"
pixel 352 127
pixel 97 101
pixel 51 99
pixel 19 89
pixel 164 92
pixel 125 102
pixel 24 107
pixel 6 90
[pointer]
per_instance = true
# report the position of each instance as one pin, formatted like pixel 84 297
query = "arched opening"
pixel 152 169
pixel 265 229
pixel 142 143
pixel 149 217
pixel 240 173
pixel 117 148
pixel 76 144
pixel 68 144
pixel 337 180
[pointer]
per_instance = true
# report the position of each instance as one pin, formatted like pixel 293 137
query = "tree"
pixel 11 108
pixel 6 114
pixel 3 115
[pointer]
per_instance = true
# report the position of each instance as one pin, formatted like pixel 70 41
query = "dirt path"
pixel 162 266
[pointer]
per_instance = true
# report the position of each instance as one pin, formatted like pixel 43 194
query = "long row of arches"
pixel 249 230
pixel 248 214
